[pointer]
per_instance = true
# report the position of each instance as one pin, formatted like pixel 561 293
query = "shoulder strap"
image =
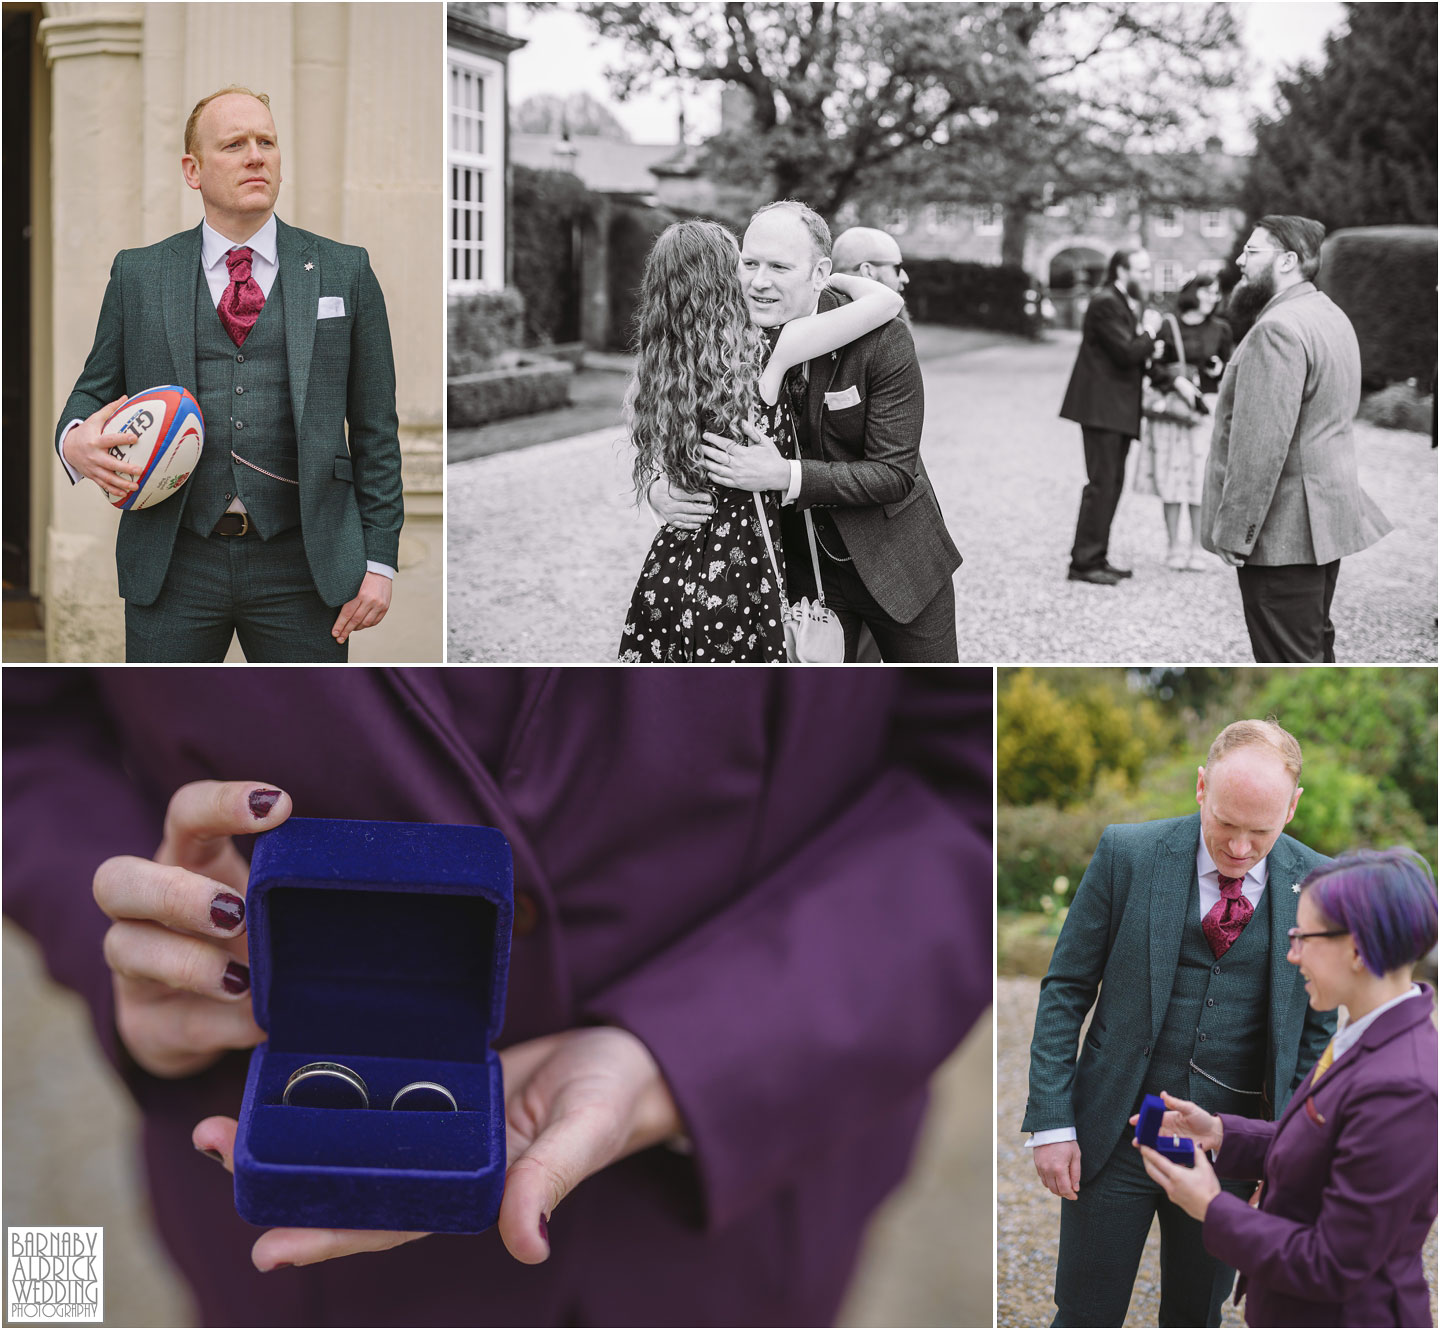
pixel 1179 341
pixel 765 531
pixel 809 526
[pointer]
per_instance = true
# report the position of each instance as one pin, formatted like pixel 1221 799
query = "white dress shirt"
pixel 1252 887
pixel 264 268
pixel 1347 1038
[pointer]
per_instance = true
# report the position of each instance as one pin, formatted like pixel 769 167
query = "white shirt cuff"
pixel 1052 1137
pixel 384 569
pixel 75 476
pixel 793 492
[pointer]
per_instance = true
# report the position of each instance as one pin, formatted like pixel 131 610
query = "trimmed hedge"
pixel 481 325
pixel 1383 277
pixel 973 295
pixel 498 394
pixel 546 206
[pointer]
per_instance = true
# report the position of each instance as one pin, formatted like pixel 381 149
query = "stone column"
pixel 93 51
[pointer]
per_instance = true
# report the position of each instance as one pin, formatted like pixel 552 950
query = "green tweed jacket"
pixel 1122 939
pixel 341 370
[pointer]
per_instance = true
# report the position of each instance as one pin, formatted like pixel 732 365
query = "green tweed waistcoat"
pixel 1216 1019
pixel 244 395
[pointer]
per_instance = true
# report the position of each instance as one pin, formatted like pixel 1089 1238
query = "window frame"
pixel 485 167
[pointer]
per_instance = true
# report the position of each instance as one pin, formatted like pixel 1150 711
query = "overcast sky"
pixel 564 55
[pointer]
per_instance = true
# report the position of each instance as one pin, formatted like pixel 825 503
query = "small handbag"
pixel 1158 404
pixel 814 634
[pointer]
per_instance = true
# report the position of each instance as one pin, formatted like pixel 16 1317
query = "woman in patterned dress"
pixel 713 595
pixel 1172 457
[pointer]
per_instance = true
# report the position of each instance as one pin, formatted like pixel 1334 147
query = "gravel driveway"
pixel 545 543
pixel 1028 1216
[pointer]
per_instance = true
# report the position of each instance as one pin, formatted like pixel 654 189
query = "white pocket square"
pixel 331 307
pixel 839 401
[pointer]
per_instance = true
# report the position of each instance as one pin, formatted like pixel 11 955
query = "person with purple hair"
pixel 1349 1167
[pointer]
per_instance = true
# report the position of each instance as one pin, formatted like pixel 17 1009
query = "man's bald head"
pixel 869 252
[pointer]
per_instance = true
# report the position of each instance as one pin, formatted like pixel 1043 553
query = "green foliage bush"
pixel 1044 751
pixel 479 326
pixel 1383 277
pixel 973 295
pixel 1400 406
pixel 1343 808
pixel 498 394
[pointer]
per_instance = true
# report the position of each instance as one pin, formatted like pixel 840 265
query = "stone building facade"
pixel 356 94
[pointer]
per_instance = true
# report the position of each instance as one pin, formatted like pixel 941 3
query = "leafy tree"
pixel 578 114
pixel 1025 104
pixel 1044 753
pixel 1353 142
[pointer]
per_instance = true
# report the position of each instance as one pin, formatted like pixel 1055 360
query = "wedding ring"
pixel 325 1085
pixel 428 1096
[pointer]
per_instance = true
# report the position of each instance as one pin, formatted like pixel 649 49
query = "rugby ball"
pixel 169 432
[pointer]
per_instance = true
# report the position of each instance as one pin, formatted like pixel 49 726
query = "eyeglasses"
pixel 1248 252
pixel 1295 935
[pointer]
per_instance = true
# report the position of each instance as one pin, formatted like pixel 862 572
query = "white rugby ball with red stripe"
pixel 169 432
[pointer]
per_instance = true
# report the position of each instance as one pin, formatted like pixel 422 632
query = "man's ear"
pixel 190 169
pixel 821 274
pixel 1199 785
pixel 1295 802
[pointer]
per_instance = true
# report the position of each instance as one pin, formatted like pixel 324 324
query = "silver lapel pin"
pixel 309 267
pixel 1296 888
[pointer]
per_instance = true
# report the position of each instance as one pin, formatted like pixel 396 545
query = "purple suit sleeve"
pixel 828 992
pixel 1243 1147
pixel 1383 1162
pixel 68 808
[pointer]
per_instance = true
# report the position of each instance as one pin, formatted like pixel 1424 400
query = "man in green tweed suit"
pixel 1181 926
pixel 287 533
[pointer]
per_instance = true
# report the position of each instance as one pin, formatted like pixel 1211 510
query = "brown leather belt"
pixel 233 524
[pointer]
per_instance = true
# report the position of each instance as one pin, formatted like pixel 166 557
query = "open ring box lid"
pixel 1177 1149
pixel 383 946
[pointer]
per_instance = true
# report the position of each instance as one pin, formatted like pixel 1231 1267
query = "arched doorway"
pixel 1074 272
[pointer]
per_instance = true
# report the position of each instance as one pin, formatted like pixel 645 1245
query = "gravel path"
pixel 545 543
pixel 1028 1217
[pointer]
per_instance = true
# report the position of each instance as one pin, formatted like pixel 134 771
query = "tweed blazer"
pixel 1281 483
pixel 1121 940
pixel 342 370
pixel 869 472
pixel 1349 1194
pixel 1106 382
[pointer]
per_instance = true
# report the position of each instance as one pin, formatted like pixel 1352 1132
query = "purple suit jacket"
pixel 1349 1191
pixel 779 880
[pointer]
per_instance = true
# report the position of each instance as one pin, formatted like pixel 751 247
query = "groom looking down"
pixel 288 531
pixel 885 555
pixel 1181 928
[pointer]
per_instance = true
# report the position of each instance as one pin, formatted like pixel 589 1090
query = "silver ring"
pixel 427 1095
pixel 324 1076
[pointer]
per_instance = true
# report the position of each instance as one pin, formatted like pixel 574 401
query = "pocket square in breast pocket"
pixel 331 307
pixel 839 401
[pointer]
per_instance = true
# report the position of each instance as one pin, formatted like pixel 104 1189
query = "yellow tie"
pixel 1321 1067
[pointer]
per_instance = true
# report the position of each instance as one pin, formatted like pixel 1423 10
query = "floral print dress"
pixel 710 596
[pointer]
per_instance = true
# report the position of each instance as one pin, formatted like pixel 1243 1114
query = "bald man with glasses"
pixel 867 252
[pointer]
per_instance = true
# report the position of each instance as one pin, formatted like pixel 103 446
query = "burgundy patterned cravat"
pixel 243 299
pixel 1227 916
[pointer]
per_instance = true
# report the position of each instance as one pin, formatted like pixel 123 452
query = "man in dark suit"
pixel 885 556
pixel 1103 397
pixel 286 533
pixel 1181 927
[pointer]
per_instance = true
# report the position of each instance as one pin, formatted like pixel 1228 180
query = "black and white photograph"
pixel 1160 382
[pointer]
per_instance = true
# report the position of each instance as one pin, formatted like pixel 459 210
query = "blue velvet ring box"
pixel 384 946
pixel 1147 1131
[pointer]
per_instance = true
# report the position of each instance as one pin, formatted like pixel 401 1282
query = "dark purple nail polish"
pixel 212 1154
pixel 544 1230
pixel 237 977
pixel 227 911
pixel 262 802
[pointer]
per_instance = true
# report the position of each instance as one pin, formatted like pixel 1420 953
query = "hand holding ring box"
pixel 383 949
pixel 1177 1149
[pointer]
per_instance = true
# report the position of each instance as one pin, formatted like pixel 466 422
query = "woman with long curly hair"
pixel 717 594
